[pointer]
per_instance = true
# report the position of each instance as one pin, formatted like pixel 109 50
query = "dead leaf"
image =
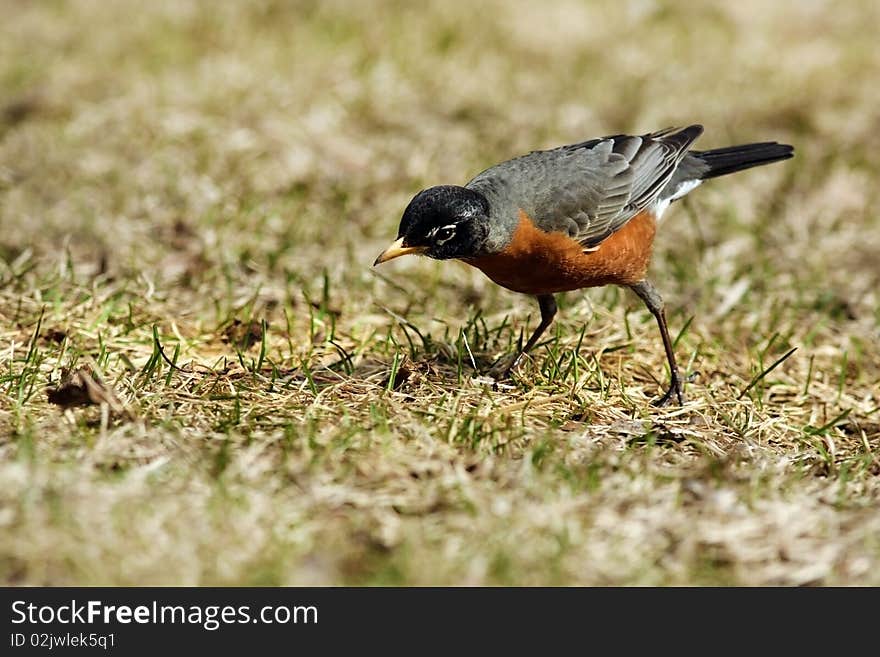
pixel 83 388
pixel 243 335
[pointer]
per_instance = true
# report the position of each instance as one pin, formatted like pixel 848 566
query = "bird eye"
pixel 444 234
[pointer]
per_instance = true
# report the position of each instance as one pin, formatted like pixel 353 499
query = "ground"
pixel 207 184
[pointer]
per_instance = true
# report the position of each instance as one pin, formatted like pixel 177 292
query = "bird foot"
pixel 503 366
pixel 674 391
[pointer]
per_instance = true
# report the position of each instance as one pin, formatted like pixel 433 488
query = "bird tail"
pixel 722 161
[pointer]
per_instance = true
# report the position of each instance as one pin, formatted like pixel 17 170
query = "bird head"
pixel 441 222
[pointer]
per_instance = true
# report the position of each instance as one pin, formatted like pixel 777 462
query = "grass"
pixel 191 197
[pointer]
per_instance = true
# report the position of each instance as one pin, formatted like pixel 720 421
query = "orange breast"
pixel 537 262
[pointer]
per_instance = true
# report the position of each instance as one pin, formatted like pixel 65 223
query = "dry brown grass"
pixel 200 168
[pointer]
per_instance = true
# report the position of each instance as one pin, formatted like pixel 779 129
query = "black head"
pixel 442 222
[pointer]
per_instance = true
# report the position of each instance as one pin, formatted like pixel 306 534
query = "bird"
pixel 578 216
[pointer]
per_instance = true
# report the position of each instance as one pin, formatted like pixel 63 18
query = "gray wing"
pixel 591 189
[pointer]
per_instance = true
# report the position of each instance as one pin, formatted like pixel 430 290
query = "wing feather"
pixel 592 189
pixel 651 161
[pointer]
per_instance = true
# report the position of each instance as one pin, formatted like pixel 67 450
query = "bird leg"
pixel 547 304
pixel 648 293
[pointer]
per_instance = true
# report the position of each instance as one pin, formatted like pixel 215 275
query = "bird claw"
pixel 503 366
pixel 666 399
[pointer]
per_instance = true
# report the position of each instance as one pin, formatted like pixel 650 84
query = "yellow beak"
pixel 398 249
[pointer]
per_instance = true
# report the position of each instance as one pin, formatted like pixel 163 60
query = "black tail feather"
pixel 722 161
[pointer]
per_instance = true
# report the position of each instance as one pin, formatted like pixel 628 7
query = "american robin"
pixel 577 216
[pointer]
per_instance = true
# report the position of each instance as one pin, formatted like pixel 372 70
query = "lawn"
pixel 203 381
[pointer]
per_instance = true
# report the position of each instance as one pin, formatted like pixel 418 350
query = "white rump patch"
pixel 682 190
